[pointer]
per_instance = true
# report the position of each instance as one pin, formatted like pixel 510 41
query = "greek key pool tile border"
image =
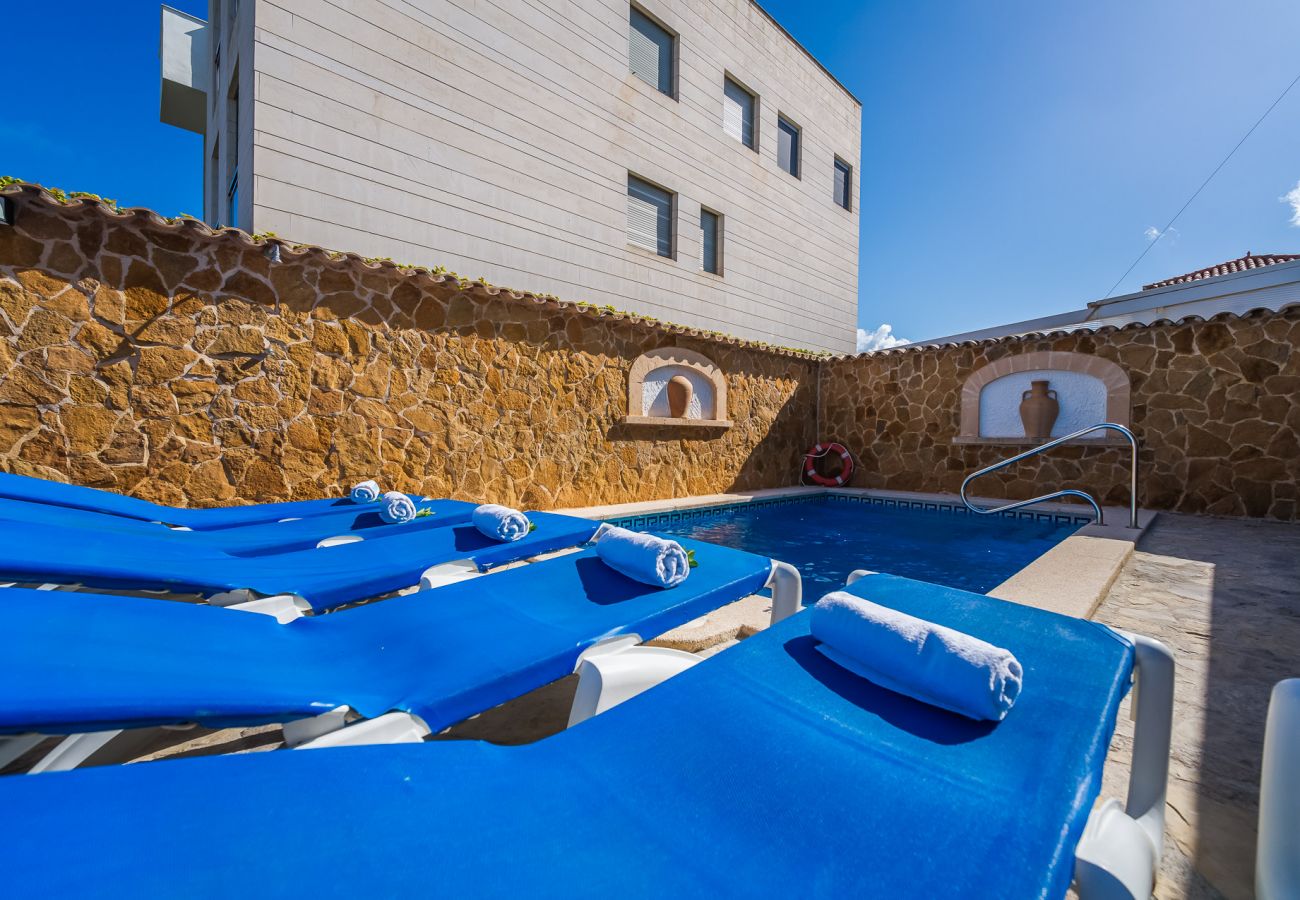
pixel 677 516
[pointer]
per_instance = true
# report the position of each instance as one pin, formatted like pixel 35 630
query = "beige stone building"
pixel 684 160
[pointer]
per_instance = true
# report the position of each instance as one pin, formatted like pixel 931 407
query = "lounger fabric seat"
pixel 764 771
pixel 244 540
pixel 54 493
pixel 85 662
pixel 325 577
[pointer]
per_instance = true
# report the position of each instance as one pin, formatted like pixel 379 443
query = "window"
pixel 212 198
pixel 232 201
pixel 843 190
pixel 216 73
pixel 710 241
pixel 232 155
pixel 787 146
pixel 649 216
pixel 650 52
pixel 738 112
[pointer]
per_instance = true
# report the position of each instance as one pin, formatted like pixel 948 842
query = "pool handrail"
pixel 1067 492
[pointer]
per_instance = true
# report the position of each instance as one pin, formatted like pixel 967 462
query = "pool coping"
pixel 1072 578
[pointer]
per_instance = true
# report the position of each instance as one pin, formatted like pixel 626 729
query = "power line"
pixel 1183 208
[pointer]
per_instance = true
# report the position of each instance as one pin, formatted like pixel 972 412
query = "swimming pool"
pixel 827 536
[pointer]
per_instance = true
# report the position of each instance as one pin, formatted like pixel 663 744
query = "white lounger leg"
pixel 73 750
pixel 617 669
pixel 339 540
pixel 284 608
pixel 1277 862
pixel 856 574
pixel 448 573
pixel 1119 853
pixel 302 731
pixel 787 590
pixel 390 728
pixel 15 745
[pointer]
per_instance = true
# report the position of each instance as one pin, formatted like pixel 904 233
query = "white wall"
pixel 495 138
pixel 1082 400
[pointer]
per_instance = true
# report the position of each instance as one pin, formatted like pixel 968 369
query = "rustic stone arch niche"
pixel 1090 390
pixel 676 370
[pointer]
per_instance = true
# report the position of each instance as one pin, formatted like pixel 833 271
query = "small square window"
pixel 651 52
pixel 649 216
pixel 738 106
pixel 787 146
pixel 843 189
pixel 710 241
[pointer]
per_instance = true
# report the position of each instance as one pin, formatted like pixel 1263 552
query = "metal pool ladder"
pixel 1068 492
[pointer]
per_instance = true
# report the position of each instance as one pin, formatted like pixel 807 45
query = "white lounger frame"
pixel 340 726
pixel 617 668
pixel 336 728
pixel 1277 860
pixel 1119 853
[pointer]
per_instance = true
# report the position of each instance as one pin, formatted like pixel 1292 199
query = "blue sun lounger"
pixel 81 663
pixel 318 579
pixel 765 770
pixel 347 523
pixel 53 493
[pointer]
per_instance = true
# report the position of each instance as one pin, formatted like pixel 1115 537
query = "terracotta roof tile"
pixel 1249 261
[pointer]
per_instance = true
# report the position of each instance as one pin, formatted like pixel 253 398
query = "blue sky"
pixel 1014 153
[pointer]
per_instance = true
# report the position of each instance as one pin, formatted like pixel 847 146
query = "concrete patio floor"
pixel 1224 595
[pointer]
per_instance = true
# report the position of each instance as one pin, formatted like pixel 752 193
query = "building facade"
pixel 1255 281
pixel 683 160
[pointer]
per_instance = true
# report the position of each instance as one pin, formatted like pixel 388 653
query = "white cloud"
pixel 1292 197
pixel 1152 233
pixel 881 339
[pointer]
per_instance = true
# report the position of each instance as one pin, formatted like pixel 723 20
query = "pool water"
pixel 826 538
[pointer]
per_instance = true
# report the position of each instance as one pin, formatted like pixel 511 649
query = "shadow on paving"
pixel 1223 594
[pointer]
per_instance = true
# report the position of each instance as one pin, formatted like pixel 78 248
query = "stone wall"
pixel 192 367
pixel 189 367
pixel 1216 406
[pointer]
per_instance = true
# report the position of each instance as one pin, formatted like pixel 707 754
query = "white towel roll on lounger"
pixel 365 492
pixel 501 523
pixel 929 662
pixel 396 508
pixel 644 557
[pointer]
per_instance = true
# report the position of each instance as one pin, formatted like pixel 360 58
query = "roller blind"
pixel 709 228
pixel 843 183
pixel 738 112
pixel 787 147
pixel 649 216
pixel 650 52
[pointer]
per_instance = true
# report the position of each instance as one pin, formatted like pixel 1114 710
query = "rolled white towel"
pixel 646 558
pixel 365 492
pixel 396 508
pixel 932 663
pixel 501 523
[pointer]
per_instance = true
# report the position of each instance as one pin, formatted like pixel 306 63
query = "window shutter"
pixel 708 241
pixel 843 183
pixel 649 217
pixel 787 147
pixel 738 113
pixel 650 52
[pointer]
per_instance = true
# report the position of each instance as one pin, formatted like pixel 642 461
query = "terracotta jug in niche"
pixel 679 396
pixel 1038 410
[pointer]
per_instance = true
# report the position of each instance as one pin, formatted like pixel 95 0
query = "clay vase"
pixel 679 396
pixel 1038 410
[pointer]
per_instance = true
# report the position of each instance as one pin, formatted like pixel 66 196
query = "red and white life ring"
pixel 816 453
